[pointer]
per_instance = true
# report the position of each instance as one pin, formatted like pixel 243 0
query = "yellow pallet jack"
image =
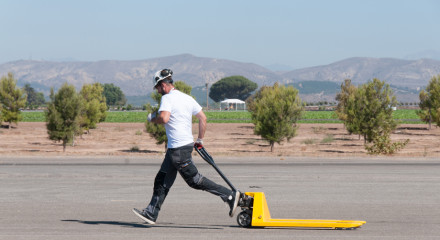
pixel 255 212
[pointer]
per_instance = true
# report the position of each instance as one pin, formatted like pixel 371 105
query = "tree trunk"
pixel 430 119
pixel 271 146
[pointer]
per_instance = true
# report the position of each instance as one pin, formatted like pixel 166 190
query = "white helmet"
pixel 161 75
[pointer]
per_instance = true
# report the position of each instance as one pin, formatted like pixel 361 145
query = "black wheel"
pixel 244 219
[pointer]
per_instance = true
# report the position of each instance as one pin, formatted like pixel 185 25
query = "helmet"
pixel 161 75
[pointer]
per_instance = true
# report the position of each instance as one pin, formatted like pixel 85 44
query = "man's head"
pixel 163 75
pixel 163 81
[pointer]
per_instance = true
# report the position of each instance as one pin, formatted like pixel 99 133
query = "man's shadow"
pixel 137 225
pixel 115 223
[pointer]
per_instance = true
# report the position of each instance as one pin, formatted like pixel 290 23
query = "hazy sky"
pixel 294 33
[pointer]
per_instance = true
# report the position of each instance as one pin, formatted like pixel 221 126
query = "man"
pixel 175 112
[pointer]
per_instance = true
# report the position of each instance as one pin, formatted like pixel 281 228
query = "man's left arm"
pixel 202 127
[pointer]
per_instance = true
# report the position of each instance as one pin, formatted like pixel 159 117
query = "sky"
pixel 294 33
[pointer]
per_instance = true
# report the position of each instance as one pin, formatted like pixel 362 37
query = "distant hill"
pixel 135 77
pixel 412 74
pixel 312 87
pixel 316 91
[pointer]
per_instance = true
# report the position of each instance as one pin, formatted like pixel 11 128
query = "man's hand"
pixel 151 116
pixel 199 143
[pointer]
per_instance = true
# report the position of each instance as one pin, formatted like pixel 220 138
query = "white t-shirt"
pixel 179 127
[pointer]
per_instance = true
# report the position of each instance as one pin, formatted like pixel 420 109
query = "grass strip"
pixel 404 115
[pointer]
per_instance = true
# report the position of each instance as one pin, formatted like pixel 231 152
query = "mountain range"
pixel 407 77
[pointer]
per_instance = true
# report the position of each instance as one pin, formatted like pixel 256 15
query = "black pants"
pixel 180 160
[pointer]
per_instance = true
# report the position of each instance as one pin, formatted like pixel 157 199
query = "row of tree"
pixel 14 99
pixel 70 113
pixel 366 110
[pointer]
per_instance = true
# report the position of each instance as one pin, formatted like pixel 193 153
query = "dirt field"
pixel 326 140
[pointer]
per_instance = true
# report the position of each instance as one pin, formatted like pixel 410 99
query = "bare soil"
pixel 319 140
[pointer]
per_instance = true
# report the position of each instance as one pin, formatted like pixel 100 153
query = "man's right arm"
pixel 162 118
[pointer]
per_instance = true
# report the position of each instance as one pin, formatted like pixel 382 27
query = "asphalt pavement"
pixel 92 198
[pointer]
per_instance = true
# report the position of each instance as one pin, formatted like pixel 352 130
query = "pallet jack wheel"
pixel 244 219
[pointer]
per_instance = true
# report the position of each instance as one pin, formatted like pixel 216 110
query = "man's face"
pixel 159 88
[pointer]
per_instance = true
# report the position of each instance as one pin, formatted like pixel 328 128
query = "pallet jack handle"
pixel 207 157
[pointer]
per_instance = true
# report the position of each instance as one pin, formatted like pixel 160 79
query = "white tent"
pixel 232 104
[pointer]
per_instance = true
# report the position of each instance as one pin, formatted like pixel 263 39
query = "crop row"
pixel 409 116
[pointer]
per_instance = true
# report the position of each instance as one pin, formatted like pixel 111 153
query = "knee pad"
pixel 191 175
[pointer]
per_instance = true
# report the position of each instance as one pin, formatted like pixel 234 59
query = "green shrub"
pixel 328 139
pixel 309 141
pixel 383 145
pixel 134 149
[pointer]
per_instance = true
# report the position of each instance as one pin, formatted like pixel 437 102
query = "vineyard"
pixel 404 115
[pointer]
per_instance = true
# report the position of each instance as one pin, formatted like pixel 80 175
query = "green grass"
pixel 33 117
pixel 319 117
pixel 228 116
pixel 128 116
pixel 406 114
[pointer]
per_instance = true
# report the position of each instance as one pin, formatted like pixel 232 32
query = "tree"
pixel 275 111
pixel 12 99
pixel 63 114
pixel 430 102
pixel 114 95
pixel 345 106
pixel 232 87
pixel 1 116
pixel 95 109
pixel 157 131
pixel 426 108
pixel 373 108
pixel 347 91
pixel 34 99
pixel 369 112
pixel 129 107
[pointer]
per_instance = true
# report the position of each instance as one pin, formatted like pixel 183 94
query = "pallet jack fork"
pixel 255 212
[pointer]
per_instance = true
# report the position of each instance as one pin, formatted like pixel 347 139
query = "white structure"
pixel 232 104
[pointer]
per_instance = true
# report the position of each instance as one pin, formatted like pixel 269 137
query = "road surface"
pixel 92 198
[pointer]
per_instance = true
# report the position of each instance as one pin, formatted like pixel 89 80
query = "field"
pixel 222 139
pixel 404 115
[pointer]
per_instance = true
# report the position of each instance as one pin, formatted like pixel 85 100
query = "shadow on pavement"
pixel 116 223
pixel 137 225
